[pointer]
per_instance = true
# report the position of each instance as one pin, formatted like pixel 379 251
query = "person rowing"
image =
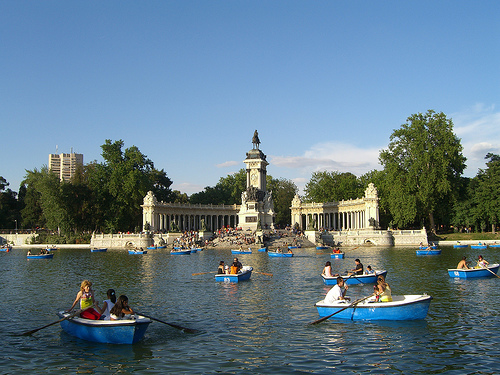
pixel 358 270
pixel 338 292
pixel 463 264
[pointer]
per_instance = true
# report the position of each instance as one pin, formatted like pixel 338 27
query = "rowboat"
pixel 124 331
pixel 337 255
pixel 180 251
pixel 479 246
pixel 151 247
pixel 246 272
pixel 495 245
pixel 322 247
pixel 249 251
pixel 6 249
pixel 51 248
pixel 463 273
pixel 405 307
pixel 282 255
pixel 429 252
pixel 101 250
pixel 460 246
pixel 137 252
pixel 161 247
pixel 433 247
pixel 355 279
pixel 263 249
pixel 295 247
pixel 40 256
pixel 196 249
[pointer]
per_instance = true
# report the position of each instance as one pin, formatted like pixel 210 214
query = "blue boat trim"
pixel 463 273
pixel 355 279
pixel 406 307
pixel 106 331
pixel 428 252
pixel 241 251
pixel 137 252
pixel 282 255
pixel 40 256
pixel 337 255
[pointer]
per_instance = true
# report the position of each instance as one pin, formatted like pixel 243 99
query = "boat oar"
pixel 202 273
pixel 336 312
pixel 492 272
pixel 188 330
pixel 27 333
pixel 264 273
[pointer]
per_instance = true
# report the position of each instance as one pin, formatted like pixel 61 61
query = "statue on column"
pixel 256 140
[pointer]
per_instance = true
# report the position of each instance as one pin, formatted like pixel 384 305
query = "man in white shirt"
pixel 336 293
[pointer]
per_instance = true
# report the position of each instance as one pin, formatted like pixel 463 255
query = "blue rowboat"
pixel 7 249
pixel 428 252
pixel 479 247
pixel 137 252
pixel 101 250
pixel 495 245
pixel 241 251
pixel 122 331
pixel 53 248
pixel 337 255
pixel 161 247
pixel 282 255
pixel 460 246
pixel 433 247
pixel 295 247
pixel 193 250
pixel 406 307
pixel 263 249
pixel 151 247
pixel 245 274
pixel 474 272
pixel 40 256
pixel 178 251
pixel 322 247
pixel 355 279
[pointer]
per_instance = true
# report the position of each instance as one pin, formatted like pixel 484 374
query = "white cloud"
pixel 228 164
pixel 187 187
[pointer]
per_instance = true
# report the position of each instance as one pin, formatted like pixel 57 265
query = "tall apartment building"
pixel 64 165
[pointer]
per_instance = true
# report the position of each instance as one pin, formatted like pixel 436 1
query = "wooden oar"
pixel 336 312
pixel 188 330
pixel 264 273
pixel 492 272
pixel 202 273
pixel 27 333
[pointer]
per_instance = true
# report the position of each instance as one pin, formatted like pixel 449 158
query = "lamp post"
pixel 16 225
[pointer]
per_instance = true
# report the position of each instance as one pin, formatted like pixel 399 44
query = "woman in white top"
pixel 108 304
pixel 327 271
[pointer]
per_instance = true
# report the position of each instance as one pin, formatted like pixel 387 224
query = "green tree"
pixel 332 186
pixel 283 191
pixel 227 191
pixel 8 206
pixel 486 194
pixel 423 163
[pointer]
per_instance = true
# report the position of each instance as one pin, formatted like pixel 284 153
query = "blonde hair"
pixel 84 284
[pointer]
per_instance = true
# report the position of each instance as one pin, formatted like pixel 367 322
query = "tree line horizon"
pixel 421 184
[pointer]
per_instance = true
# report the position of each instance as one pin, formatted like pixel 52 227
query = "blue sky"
pixel 324 82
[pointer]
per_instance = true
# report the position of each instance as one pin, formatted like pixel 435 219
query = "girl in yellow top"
pixel 87 301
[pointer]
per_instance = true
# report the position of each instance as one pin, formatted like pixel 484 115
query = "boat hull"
pixel 263 249
pixel 428 252
pixel 495 245
pixel 407 307
pixel 235 278
pixel 337 255
pixel 241 252
pixel 294 247
pixel 322 247
pixel 460 246
pixel 103 250
pixel 106 331
pixel 41 256
pixel 479 247
pixel 133 252
pixel 474 272
pixel 180 252
pixel 279 255
pixel 355 279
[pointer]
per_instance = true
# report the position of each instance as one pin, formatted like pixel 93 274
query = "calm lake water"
pixel 254 327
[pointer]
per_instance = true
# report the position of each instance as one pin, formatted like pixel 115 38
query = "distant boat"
pixel 322 247
pixel 263 249
pixel 479 246
pixel 495 245
pixel 137 252
pixel 433 247
pixel 161 247
pixel 51 248
pixel 179 251
pixel 355 279
pixel 40 256
pixel 6 248
pixel 406 307
pixel 245 274
pixel 429 252
pixel 463 273
pixel 282 255
pixel 295 247
pixel 101 250
pixel 248 251
pixel 123 331
pixel 460 246
pixel 152 247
